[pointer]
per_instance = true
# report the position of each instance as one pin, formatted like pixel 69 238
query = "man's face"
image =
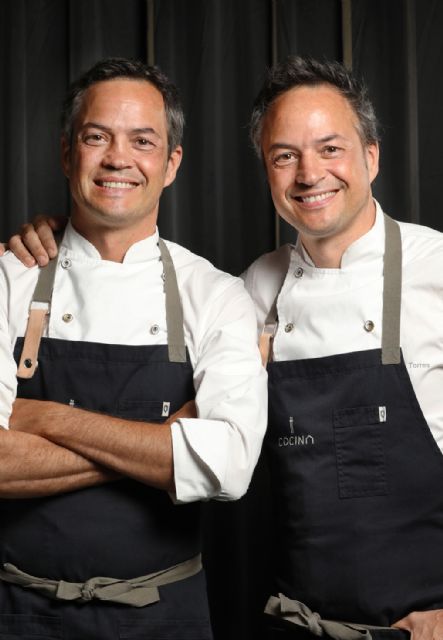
pixel 118 163
pixel 318 170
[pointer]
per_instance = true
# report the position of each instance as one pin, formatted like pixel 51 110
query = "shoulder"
pixel 421 244
pixel 264 279
pixel 199 277
pixel 268 271
pixel 12 270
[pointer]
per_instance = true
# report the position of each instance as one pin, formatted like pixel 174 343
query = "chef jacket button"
pixel 67 317
pixel 154 329
pixel 369 325
pixel 289 327
pixel 66 263
pixel 298 272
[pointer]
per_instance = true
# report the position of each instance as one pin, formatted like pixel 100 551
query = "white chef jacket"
pixel 323 312
pixel 97 300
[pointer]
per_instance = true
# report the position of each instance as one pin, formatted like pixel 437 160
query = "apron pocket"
pixel 28 627
pixel 165 630
pixel 361 466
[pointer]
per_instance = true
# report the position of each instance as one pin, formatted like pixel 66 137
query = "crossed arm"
pixel 34 467
pixel 53 448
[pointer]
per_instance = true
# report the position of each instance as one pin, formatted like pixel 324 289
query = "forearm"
pixel 140 450
pixel 34 467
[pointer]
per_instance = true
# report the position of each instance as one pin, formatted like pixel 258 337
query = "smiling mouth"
pixel 315 198
pixel 115 184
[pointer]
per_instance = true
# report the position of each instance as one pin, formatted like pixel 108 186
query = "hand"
pixel 35 242
pixel 188 410
pixel 423 625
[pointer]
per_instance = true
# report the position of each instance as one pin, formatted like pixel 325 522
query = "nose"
pixel 118 155
pixel 309 170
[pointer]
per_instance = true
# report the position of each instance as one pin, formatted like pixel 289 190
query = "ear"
pixel 174 161
pixel 66 156
pixel 372 156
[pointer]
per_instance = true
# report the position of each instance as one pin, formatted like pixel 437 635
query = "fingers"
pixel 3 248
pixel 45 227
pixel 36 243
pixel 423 625
pixel 27 245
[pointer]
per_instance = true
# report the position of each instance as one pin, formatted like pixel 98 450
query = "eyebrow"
pixel 325 139
pixel 102 127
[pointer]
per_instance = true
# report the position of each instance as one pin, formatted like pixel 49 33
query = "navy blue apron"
pixel 357 481
pixel 123 529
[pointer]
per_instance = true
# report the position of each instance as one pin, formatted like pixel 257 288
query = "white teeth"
pixel 118 185
pixel 318 198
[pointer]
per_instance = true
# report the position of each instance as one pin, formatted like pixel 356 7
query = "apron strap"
pixel 300 615
pixel 41 301
pixel 39 309
pixel 392 280
pixel 392 276
pixel 136 592
pixel 174 310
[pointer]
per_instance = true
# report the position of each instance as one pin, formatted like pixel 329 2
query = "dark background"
pixel 216 51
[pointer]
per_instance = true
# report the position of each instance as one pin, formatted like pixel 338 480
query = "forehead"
pixel 123 102
pixel 310 110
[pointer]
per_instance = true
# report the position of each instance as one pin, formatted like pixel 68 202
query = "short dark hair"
pixel 114 68
pixel 296 71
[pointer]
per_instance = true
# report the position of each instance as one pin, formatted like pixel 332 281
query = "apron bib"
pixel 356 477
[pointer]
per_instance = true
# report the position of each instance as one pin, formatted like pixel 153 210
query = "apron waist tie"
pixel 136 592
pixel 299 614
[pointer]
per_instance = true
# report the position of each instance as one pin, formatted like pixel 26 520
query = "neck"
pixel 113 242
pixel 327 252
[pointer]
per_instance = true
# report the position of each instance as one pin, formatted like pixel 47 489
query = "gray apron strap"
pixel 392 275
pixel 300 615
pixel 268 332
pixel 174 310
pixel 136 592
pixel 392 278
pixel 43 293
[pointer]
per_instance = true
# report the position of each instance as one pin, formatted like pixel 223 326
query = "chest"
pixel 100 302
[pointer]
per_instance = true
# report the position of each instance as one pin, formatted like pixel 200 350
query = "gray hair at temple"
pixel 296 71
pixel 115 68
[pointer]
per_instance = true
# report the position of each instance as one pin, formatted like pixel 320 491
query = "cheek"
pixel 280 182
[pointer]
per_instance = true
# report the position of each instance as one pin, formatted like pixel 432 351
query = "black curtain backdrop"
pixel 219 207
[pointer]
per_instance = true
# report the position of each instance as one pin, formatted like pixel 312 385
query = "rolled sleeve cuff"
pixel 203 452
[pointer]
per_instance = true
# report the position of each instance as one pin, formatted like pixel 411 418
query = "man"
pixel 104 425
pixel 355 430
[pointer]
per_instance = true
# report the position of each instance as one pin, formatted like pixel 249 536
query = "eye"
pixel 330 150
pixel 143 142
pixel 94 139
pixel 285 158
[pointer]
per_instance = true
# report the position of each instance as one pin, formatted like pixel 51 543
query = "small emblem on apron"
pixel 165 410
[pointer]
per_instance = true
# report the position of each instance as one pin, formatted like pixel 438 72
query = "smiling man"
pixel 138 377
pixel 350 320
